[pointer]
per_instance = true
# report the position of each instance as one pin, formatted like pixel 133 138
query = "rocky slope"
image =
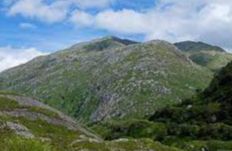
pixel 26 120
pixel 203 122
pixel 212 57
pixel 206 117
pixel 28 125
pixel 108 78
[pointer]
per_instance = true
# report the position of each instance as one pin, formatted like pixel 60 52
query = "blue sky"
pixel 19 31
pixel 29 28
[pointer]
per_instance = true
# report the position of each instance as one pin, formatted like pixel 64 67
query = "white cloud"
pixel 173 20
pixel 51 11
pixel 124 21
pixel 38 9
pixel 82 18
pixel 27 26
pixel 10 57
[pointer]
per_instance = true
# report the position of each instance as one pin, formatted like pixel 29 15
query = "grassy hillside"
pixel 109 78
pixel 206 117
pixel 212 57
pixel 188 137
pixel 203 122
pixel 28 125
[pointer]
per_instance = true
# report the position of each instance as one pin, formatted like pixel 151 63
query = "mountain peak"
pixel 115 39
pixel 109 38
pixel 158 41
pixel 104 43
pixel 197 46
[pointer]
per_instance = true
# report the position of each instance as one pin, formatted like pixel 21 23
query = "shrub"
pixel 22 144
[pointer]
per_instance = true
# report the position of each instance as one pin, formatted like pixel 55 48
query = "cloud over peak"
pixel 10 57
pixel 173 20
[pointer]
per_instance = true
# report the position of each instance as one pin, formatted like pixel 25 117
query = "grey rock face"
pixel 20 129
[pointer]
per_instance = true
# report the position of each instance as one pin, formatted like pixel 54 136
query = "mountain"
pixel 103 43
pixel 203 122
pixel 109 78
pixel 197 46
pixel 28 125
pixel 212 57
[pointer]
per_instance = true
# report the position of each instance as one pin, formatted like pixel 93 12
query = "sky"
pixel 29 28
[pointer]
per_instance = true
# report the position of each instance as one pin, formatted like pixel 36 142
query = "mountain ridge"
pixel 109 81
pixel 206 55
pixel 197 46
pixel 104 42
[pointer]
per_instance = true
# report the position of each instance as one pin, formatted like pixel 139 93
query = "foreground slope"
pixel 212 57
pixel 25 120
pixel 108 78
pixel 28 125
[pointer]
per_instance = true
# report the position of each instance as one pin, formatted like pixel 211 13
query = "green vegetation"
pixel 130 129
pixel 197 145
pixel 43 111
pixel 200 123
pixel 16 143
pixel 3 92
pixel 7 104
pixel 211 57
pixel 201 58
pixel 26 132
pixel 125 145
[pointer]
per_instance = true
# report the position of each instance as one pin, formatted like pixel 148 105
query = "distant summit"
pixel 212 57
pixel 116 39
pixel 197 46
